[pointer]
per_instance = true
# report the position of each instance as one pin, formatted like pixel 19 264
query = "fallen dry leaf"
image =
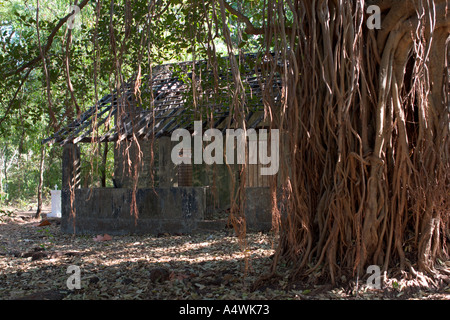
pixel 174 276
pixel 105 237
pixel 44 223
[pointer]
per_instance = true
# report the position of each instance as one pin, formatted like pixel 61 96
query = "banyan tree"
pixel 366 110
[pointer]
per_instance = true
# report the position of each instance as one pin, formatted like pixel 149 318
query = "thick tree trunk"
pixel 368 118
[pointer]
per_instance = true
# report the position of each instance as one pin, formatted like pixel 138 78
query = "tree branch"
pixel 8 109
pixel 249 27
pixel 50 38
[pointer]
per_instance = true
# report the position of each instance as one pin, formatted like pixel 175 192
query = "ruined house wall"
pixel 127 152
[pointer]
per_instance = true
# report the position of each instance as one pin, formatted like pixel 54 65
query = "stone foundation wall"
pixel 160 210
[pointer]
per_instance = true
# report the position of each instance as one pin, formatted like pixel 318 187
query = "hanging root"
pixel 366 112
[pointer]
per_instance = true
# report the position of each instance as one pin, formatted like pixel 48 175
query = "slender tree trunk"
pixel 41 183
pixel 105 156
pixel 1 183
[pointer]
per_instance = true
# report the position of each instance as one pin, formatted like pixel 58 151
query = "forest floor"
pixel 35 257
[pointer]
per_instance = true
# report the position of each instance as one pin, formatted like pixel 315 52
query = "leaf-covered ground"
pixel 35 257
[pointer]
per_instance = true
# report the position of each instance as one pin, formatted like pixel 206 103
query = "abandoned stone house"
pixel 169 198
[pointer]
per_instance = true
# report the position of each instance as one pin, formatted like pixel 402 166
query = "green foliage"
pixel 48 236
